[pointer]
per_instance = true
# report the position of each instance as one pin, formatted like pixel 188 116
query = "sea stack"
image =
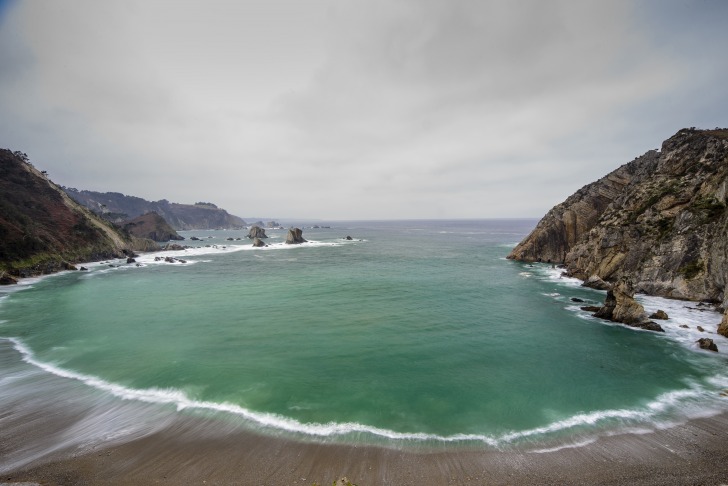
pixel 256 232
pixel 620 306
pixel 295 236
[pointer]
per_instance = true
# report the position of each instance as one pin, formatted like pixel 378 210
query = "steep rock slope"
pixel 42 230
pixel 118 207
pixel 660 220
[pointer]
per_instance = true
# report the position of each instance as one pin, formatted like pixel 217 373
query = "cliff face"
pixel 118 208
pixel 42 230
pixel 660 220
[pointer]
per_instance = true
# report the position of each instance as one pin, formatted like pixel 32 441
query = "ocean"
pixel 413 334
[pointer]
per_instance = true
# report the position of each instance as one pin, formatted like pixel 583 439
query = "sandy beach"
pixel 197 450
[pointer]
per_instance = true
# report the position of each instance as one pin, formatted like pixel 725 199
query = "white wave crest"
pixel 647 416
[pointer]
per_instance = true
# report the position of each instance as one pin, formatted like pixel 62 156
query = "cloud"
pixel 377 109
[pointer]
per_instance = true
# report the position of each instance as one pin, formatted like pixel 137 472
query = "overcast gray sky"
pixel 369 109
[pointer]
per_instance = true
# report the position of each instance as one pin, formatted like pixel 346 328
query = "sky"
pixel 342 110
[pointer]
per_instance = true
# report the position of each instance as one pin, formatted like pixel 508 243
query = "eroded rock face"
pixel 256 232
pixel 595 282
pixel 620 306
pixel 723 326
pixel 295 236
pixel 660 220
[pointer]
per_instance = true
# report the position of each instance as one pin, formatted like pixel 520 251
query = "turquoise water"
pixel 413 333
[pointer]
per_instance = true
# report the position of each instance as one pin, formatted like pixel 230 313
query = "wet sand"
pixel 195 450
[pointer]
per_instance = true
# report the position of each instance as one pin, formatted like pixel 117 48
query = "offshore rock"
pixel 661 220
pixel 295 236
pixel 660 314
pixel 256 232
pixel 620 306
pixel 708 344
pixel 258 243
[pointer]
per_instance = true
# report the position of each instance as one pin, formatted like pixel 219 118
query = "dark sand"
pixel 196 450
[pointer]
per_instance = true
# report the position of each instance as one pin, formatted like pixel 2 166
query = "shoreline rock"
pixel 620 306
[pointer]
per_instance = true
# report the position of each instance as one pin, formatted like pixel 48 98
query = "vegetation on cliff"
pixel 660 220
pixel 42 230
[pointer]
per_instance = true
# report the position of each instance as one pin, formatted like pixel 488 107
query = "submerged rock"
pixel 295 236
pixel 591 308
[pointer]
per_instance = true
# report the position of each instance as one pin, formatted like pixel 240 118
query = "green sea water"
pixel 414 333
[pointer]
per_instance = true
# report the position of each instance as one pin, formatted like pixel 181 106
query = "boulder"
pixel 723 326
pixel 256 232
pixel 6 279
pixel 660 314
pixel 294 236
pixel 577 300
pixel 258 243
pixel 595 282
pixel 194 238
pixel 620 306
pixel 708 344
pixel 130 260
pixel 348 238
pixel 700 328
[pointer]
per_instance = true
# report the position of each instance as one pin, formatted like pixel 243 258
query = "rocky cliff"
pixel 660 220
pixel 151 226
pixel 117 207
pixel 42 230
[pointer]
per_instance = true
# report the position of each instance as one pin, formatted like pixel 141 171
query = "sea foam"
pixel 666 410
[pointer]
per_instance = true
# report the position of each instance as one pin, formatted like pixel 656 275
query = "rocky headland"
pixel 659 221
pixel 43 231
pixel 118 208
pixel 151 226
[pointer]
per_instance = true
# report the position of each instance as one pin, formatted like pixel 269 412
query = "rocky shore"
pixel 659 221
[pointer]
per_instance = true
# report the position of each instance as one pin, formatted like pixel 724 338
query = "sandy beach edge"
pixel 193 450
